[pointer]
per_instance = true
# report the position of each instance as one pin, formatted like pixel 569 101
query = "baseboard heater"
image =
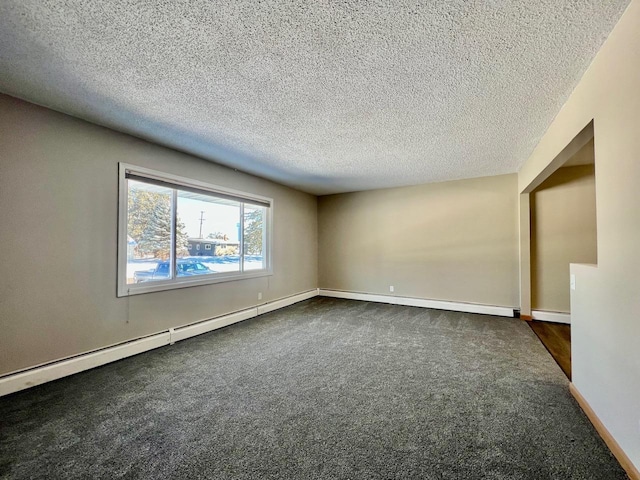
pixel 40 374
pixel 422 302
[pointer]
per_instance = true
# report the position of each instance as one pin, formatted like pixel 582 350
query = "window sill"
pixel 160 286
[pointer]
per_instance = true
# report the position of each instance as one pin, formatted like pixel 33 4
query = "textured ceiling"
pixel 323 96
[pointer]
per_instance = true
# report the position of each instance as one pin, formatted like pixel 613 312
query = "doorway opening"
pixel 563 231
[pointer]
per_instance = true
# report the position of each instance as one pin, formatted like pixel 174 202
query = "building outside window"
pixel 176 232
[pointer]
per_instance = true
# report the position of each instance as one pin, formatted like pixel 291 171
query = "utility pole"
pixel 201 221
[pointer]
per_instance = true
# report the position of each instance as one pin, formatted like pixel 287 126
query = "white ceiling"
pixel 323 96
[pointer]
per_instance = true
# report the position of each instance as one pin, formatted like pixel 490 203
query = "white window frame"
pixel 124 289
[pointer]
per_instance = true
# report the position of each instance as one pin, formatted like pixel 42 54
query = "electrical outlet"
pixel 391 288
pixel 259 295
pixel 572 281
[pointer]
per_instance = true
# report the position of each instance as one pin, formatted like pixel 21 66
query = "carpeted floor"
pixel 326 388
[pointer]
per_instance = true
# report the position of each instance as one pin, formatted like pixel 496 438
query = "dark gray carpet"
pixel 326 388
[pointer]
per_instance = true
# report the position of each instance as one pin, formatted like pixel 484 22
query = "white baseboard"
pixel 556 317
pixel 285 302
pixel 213 324
pixel 55 370
pixel 52 371
pixel 421 302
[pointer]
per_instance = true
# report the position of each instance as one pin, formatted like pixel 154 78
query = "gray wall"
pixel 455 241
pixel 58 191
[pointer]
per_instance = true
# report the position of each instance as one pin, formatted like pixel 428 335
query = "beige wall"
pixel 563 231
pixel 453 241
pixel 58 191
pixel 605 307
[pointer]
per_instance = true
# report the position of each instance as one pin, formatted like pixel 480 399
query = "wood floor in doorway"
pixel 556 337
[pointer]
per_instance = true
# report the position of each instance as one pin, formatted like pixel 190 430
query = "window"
pixel 163 221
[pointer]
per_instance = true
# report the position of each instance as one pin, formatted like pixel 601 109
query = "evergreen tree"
pixel 141 206
pixel 253 227
pixel 156 237
pixel 182 239
pixel 149 224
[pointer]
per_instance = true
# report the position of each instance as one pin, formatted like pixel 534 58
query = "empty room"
pixel 326 240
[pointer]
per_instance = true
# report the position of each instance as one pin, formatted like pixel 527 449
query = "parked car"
pixel 186 268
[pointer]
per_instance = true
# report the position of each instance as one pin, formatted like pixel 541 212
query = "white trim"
pixel 285 302
pixel 196 281
pixel 55 370
pixel 421 302
pixel 209 325
pixel 124 289
pixel 121 274
pixel 189 182
pixel 557 317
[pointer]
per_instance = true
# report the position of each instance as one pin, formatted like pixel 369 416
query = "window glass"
pixel 254 237
pixel 148 232
pixel 176 232
pixel 207 217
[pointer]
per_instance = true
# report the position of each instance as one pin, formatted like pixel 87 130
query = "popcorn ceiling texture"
pixel 324 96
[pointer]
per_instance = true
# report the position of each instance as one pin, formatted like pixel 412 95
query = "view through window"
pixel 177 234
